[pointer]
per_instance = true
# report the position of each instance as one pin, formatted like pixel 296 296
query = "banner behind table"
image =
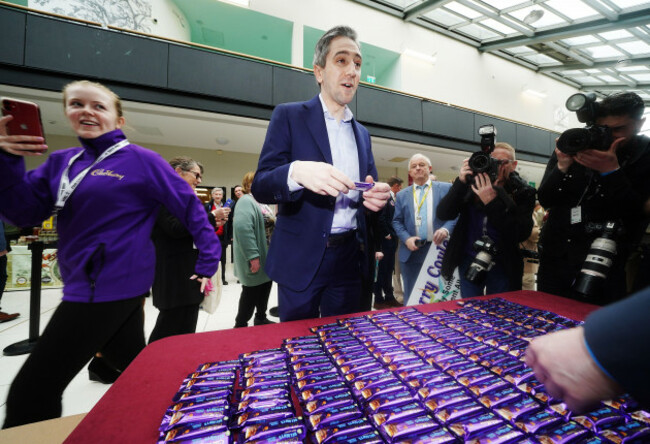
pixel 431 286
pixel 19 265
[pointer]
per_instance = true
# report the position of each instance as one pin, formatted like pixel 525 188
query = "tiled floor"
pixel 82 394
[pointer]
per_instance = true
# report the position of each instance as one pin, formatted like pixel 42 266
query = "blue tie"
pixel 422 231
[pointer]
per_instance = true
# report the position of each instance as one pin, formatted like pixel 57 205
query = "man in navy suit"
pixel 415 220
pixel 384 281
pixel 313 153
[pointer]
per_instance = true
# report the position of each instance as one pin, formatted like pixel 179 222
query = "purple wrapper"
pixel 387 402
pixel 175 419
pixel 320 362
pixel 262 404
pixel 327 402
pixel 343 431
pixel 519 376
pixel 518 409
pixel 329 389
pixel 333 415
pixel 401 366
pixel 209 383
pixel 200 403
pixel 488 385
pixel 475 378
pixel 373 381
pixel 297 359
pixel 220 366
pixel 272 428
pixel 426 381
pixel 641 415
pixel 263 381
pixel 192 395
pixel 563 434
pixel 196 430
pixel 305 374
pixel 314 381
pixel 297 340
pixel 281 391
pixel 500 435
pixel 435 388
pixel 370 372
pixel 500 397
pixel 400 413
pixel 437 436
pixel 603 417
pixel 263 416
pixel 458 412
pixel 368 394
pixel 399 430
pixel 472 427
pixel 250 371
pixel 434 404
pixel 632 431
pixel 288 437
pixel 359 365
pixel 539 421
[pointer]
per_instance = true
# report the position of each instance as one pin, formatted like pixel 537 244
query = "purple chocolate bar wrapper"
pixel 459 412
pixel 272 428
pixel 262 404
pixel 196 430
pixel 563 434
pixel 191 395
pixel 632 431
pixel 406 411
pixel 333 415
pixel 500 435
pixel 281 391
pixel 343 431
pixel 175 419
pixel 516 410
pixel 476 425
pixel 603 417
pixel 408 427
pixel 328 402
pixel 437 436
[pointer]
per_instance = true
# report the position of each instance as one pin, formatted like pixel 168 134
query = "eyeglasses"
pixel 197 175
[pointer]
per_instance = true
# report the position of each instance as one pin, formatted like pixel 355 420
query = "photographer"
pixel 500 209
pixel 606 181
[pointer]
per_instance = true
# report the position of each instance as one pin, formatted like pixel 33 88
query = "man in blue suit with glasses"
pixel 415 220
pixel 313 154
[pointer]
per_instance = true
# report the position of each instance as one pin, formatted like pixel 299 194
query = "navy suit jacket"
pixel 404 218
pixel 297 131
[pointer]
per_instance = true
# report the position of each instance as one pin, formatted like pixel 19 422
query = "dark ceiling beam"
pixel 414 11
pixel 610 64
pixel 628 20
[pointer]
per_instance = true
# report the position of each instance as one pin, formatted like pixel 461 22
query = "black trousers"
pixel 252 299
pixel 175 321
pixel 224 247
pixel 3 274
pixel 72 337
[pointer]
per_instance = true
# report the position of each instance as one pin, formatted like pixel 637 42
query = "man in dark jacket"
pixel 587 190
pixel 4 250
pixel 501 211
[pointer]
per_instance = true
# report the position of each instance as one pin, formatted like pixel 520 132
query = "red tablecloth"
pixel 131 410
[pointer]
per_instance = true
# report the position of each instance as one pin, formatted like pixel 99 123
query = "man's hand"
pixel 376 197
pixel 465 171
pixel 483 188
pixel 20 145
pixel 440 235
pixel 564 161
pixel 601 161
pixel 255 265
pixel 221 213
pixel 563 364
pixel 410 243
pixel 321 178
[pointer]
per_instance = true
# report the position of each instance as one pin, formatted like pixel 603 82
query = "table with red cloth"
pixel 131 410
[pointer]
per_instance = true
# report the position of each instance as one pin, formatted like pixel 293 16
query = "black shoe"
pixel 240 325
pixel 225 282
pixel 101 371
pixel 275 312
pixel 262 321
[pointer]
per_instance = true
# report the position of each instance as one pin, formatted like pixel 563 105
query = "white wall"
pixel 461 75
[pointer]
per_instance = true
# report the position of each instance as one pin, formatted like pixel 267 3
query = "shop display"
pixel 396 377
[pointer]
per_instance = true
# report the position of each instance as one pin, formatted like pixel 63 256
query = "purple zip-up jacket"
pixel 105 248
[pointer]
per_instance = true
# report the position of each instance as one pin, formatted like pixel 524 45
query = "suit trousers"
pixel 411 269
pixel 385 273
pixel 252 299
pixel 72 337
pixel 335 290
pixel 175 321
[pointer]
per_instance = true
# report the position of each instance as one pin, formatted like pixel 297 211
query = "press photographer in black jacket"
pixel 584 189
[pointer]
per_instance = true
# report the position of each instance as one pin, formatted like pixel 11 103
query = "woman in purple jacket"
pixel 106 195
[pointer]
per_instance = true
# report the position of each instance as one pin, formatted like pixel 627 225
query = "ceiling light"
pixel 534 16
pixel 535 93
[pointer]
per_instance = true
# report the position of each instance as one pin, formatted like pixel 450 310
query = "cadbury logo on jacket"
pixel 108 173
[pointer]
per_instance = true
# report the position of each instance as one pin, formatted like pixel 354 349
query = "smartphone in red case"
pixel 26 117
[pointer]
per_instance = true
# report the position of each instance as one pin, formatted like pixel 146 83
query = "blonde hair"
pixel 507 147
pixel 247 181
pixel 116 99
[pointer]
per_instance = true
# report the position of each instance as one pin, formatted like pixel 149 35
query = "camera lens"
pixel 574 140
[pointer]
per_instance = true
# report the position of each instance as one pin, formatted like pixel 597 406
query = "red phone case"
pixel 26 117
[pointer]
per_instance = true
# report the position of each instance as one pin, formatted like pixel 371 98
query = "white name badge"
pixel 576 215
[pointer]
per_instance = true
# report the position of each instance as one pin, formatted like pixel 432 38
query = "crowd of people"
pixel 331 238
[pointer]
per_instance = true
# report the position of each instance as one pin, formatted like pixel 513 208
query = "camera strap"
pixel 66 188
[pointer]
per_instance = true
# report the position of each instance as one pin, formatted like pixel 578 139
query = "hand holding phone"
pixel 21 130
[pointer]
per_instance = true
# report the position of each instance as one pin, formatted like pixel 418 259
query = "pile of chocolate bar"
pixel 396 377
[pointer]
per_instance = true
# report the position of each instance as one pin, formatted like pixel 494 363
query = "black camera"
pixel 531 256
pixel 592 136
pixel 420 242
pixel 599 257
pixel 485 249
pixel 481 162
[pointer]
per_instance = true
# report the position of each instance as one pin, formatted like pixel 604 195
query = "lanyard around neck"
pixel 66 188
pixel 424 197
